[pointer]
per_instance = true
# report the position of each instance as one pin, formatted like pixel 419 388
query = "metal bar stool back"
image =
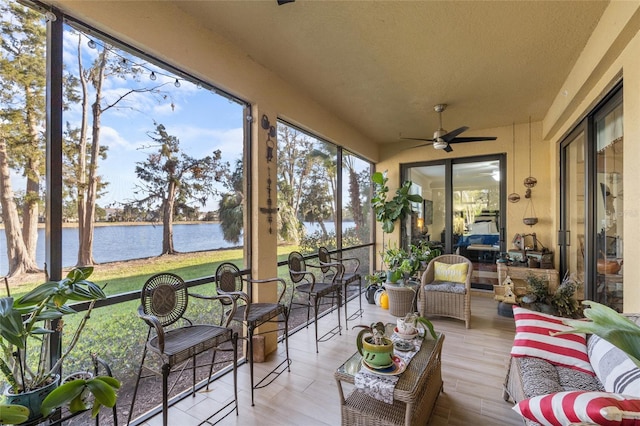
pixel 350 278
pixel 174 340
pixel 253 314
pixel 305 285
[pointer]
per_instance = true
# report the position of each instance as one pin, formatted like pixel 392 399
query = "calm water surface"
pixel 114 243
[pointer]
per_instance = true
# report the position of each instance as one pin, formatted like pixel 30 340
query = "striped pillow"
pixel 613 367
pixel 571 407
pixel 533 339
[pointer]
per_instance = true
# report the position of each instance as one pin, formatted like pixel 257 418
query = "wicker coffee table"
pixel 414 396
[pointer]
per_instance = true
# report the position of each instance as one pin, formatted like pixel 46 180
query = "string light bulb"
pixel 152 76
pixel 177 83
pixel 91 44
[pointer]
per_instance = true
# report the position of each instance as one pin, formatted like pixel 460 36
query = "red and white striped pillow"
pixel 570 407
pixel 533 339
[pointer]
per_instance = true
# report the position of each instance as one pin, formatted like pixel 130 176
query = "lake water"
pixel 124 242
pixel 114 243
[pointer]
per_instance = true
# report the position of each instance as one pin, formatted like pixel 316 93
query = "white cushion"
pixel 613 367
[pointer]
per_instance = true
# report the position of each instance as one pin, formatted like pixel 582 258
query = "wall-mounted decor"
pixel 270 134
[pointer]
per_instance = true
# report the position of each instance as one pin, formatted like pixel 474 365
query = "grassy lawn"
pixel 126 276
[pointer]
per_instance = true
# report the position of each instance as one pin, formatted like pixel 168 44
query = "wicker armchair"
pixel 350 278
pixel 175 340
pixel 253 314
pixel 449 299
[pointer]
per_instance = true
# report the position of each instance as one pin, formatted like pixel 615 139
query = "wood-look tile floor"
pixel 473 370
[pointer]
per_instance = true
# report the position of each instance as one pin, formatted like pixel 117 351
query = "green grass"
pixel 126 276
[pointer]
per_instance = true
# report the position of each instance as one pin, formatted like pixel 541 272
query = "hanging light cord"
pixel 513 159
pixel 529 145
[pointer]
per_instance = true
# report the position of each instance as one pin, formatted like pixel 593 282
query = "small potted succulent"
pixel 31 385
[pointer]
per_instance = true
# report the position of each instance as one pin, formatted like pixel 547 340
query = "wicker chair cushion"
pixel 446 287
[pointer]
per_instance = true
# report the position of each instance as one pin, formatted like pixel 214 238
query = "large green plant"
pixel 24 343
pixel 611 326
pixel 397 208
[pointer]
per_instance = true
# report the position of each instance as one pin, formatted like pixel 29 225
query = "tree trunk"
pixel 85 251
pixel 354 195
pixel 19 261
pixel 167 219
pixel 81 168
pixel 30 211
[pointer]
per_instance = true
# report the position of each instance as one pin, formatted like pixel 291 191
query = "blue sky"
pixel 202 120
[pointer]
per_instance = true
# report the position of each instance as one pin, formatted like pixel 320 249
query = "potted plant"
pixel 610 326
pixel 388 211
pixel 24 343
pixel 423 253
pixel 393 257
pixel 561 302
pixel 376 348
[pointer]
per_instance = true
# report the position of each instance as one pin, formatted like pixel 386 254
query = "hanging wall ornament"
pixel 530 181
pixel 514 197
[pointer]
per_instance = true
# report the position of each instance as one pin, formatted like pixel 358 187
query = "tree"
pixel 169 175
pixel 294 166
pixel 85 148
pixel 22 91
pixel 355 205
pixel 317 200
pixel 231 211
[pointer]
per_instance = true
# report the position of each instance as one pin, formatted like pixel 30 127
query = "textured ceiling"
pixel 383 65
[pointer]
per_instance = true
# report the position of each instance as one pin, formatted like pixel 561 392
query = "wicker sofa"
pixel 528 377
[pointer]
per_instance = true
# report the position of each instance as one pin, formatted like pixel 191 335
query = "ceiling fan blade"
pixel 418 139
pixel 452 134
pixel 421 145
pixel 448 149
pixel 473 139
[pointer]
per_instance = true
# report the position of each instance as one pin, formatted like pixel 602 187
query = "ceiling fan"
pixel 442 139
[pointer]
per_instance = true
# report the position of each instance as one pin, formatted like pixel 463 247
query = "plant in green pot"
pixel 24 357
pixel 376 348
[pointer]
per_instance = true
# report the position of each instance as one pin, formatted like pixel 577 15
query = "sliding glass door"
pixel 592 206
pixel 462 210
